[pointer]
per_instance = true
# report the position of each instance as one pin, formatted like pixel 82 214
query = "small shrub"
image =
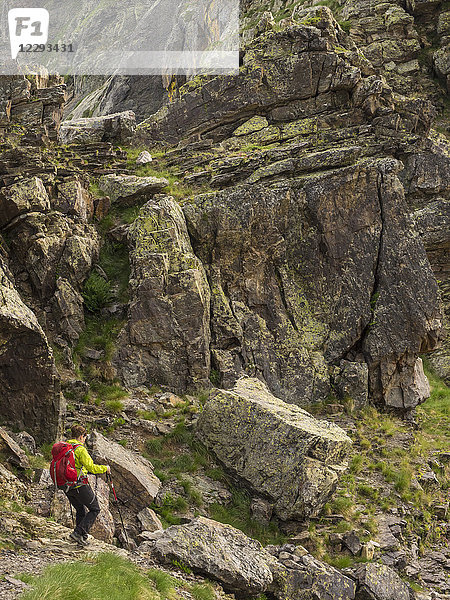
pixel 164 583
pixel 403 479
pixel 203 591
pixel 180 565
pixel 346 26
pixel 368 491
pixel 148 415
pixel 154 446
pixel 214 377
pixel 339 562
pixel 357 463
pixel 96 293
pixel 115 406
pixel 110 394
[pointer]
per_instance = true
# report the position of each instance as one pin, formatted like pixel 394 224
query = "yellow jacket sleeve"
pixel 83 460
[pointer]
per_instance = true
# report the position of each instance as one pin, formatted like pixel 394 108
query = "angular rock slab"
pixel 28 195
pixel 29 395
pixel 12 448
pixel 149 520
pixel 128 189
pixel 278 449
pixel 379 582
pixel 312 580
pixel 133 477
pixel 218 551
pixel 117 127
pixel 11 488
pixel 166 338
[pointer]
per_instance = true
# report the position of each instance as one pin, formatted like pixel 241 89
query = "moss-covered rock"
pixel 220 552
pixel 29 386
pixel 278 449
pixel 166 338
pixel 130 189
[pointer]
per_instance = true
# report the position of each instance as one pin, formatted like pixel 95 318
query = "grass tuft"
pixel 105 577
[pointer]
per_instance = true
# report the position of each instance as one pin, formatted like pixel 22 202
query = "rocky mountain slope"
pixel 242 320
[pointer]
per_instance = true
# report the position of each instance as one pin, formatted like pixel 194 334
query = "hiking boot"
pixel 79 539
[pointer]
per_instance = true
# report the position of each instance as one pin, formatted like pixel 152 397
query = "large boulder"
pixel 306 577
pixel 11 488
pixel 117 128
pixel 166 338
pixel 130 189
pixel 29 386
pixel 135 483
pixel 46 246
pixel 278 449
pixel 218 551
pixel 379 582
pixel 27 195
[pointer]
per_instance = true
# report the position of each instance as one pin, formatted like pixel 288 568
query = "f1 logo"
pixel 27 26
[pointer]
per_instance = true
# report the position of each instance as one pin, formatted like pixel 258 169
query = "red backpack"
pixel 62 467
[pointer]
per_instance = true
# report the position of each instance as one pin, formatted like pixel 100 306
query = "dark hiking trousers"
pixel 82 498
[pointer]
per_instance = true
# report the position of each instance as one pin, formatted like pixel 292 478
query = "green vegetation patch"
pixel 109 577
pixel 385 472
pixel 160 168
pixel 238 514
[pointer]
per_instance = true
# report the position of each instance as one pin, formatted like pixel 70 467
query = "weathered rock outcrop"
pixel 378 582
pixel 427 180
pixel 117 128
pixel 218 551
pixel 313 262
pixel 96 96
pixel 132 473
pixel 308 577
pixel 278 449
pixel 28 195
pixel 29 390
pixel 307 274
pixel 34 104
pixel 129 189
pixel 166 338
pixel 45 246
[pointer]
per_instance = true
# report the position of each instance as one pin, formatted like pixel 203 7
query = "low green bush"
pixel 96 293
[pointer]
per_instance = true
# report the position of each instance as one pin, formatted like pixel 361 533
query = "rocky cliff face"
pixel 312 257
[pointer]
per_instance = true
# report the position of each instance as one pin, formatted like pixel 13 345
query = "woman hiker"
pixel 81 496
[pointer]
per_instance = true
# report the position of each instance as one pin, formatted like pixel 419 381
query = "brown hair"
pixel 77 431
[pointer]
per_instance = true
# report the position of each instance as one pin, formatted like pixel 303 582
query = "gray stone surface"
pixel 220 552
pixel 117 128
pixel 278 449
pixel 130 189
pixel 166 338
pixel 29 387
pixel 135 483
pixel 379 582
